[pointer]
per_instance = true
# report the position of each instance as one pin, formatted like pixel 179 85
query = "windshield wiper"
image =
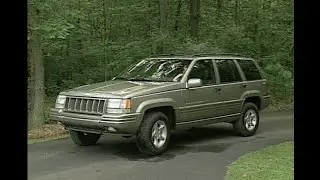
pixel 140 79
pixel 148 80
pixel 120 78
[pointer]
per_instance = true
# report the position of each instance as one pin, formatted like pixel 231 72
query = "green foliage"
pixel 273 162
pixel 91 41
pixel 281 80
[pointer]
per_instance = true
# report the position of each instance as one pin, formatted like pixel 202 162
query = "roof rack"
pixel 195 55
pixel 216 54
pixel 171 54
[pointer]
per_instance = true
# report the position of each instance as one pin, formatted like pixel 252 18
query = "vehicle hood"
pixel 113 89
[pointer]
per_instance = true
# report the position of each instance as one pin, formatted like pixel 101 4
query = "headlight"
pixel 119 106
pixel 60 101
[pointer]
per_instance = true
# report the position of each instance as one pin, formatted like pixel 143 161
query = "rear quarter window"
pixel 250 70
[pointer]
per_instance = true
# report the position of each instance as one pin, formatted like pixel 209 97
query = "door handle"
pixel 243 85
pixel 217 89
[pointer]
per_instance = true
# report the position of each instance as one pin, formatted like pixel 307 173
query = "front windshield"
pixel 161 70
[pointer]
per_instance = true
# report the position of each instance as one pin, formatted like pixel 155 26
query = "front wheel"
pixel 249 120
pixel 84 139
pixel 154 134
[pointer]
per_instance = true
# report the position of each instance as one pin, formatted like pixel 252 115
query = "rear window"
pixel 250 70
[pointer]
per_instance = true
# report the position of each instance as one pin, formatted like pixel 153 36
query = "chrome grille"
pixel 85 105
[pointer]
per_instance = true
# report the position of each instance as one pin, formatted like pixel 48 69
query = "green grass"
pixel 271 163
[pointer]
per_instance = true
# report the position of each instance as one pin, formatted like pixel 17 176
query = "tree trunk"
pixel 194 18
pixel 149 19
pixel 163 24
pixel 68 48
pixel 262 49
pixel 36 83
pixel 105 37
pixel 177 15
pixel 236 12
pixel 80 36
pixel 79 41
pixel 219 7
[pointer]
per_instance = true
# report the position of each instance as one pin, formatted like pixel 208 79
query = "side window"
pixel 228 71
pixel 203 69
pixel 250 70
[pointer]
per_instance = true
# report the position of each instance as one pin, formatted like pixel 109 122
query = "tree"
pixel 163 24
pixel 36 70
pixel 177 14
pixel 236 11
pixel 87 41
pixel 194 18
pixel 219 7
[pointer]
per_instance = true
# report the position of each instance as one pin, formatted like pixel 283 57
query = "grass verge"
pixel 46 132
pixel 274 162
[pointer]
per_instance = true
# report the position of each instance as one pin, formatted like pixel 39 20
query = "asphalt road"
pixel 199 154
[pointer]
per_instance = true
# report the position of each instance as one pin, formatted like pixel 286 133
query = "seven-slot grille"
pixel 85 105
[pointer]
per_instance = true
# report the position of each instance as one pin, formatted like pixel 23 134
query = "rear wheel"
pixel 84 139
pixel 154 134
pixel 248 123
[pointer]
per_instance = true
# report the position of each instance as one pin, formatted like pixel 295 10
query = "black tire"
pixel 84 139
pixel 144 135
pixel 239 126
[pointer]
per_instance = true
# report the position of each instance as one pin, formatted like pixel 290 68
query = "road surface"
pixel 199 154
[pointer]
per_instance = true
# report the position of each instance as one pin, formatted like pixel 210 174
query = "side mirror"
pixel 195 82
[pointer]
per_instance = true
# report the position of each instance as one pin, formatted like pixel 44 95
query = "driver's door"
pixel 199 101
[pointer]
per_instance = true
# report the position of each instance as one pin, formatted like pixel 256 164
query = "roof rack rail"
pixel 170 54
pixel 216 54
pixel 194 55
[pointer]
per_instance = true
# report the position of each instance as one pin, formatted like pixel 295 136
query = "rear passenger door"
pixel 230 86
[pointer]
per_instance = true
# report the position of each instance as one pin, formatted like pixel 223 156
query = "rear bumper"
pixel 123 124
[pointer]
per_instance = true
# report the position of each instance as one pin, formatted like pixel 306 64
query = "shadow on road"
pixel 181 143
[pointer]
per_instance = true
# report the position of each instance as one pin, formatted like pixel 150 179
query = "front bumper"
pixel 122 123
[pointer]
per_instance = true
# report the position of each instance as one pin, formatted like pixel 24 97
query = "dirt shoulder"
pixel 46 132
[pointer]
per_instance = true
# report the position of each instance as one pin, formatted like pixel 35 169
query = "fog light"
pixel 111 129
